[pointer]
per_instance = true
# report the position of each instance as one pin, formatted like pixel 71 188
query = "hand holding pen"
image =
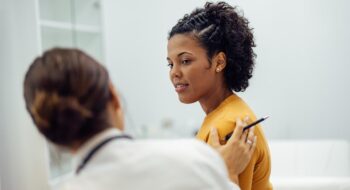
pixel 247 127
pixel 237 152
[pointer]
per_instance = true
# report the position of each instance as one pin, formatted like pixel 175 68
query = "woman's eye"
pixel 170 65
pixel 185 61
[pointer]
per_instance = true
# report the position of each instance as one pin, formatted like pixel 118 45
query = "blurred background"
pixel 301 80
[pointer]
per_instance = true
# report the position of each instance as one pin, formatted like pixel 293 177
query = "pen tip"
pixel 266 117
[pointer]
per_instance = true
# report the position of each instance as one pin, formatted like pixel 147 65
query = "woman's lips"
pixel 180 87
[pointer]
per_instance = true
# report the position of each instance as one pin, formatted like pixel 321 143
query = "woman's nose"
pixel 175 72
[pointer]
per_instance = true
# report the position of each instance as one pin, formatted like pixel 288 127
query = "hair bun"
pixel 63 115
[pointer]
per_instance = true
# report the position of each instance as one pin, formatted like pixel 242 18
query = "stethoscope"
pixel 88 157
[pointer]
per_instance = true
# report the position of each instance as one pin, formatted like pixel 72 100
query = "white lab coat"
pixel 125 164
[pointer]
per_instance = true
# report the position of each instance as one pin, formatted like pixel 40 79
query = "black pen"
pixel 248 126
pixel 255 122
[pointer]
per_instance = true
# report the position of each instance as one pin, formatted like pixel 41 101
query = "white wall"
pixel 136 33
pixel 22 150
pixel 301 73
pixel 300 78
pixel 302 67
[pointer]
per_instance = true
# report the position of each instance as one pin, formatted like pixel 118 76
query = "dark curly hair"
pixel 219 28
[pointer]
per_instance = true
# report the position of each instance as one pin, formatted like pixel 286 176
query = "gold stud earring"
pixel 217 70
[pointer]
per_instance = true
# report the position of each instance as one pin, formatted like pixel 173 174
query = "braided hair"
pixel 218 27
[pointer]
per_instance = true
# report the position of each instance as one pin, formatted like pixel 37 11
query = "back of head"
pixel 66 93
pixel 218 27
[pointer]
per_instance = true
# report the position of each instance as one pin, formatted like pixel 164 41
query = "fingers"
pixel 251 136
pixel 245 132
pixel 252 148
pixel 213 138
pixel 237 133
pixel 244 136
pixel 246 119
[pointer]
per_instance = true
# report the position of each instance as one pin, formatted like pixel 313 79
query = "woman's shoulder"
pixel 224 117
pixel 231 108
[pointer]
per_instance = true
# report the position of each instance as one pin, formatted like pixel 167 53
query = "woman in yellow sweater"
pixel 210 55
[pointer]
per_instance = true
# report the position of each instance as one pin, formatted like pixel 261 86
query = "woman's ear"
pixel 220 61
pixel 114 96
pixel 117 107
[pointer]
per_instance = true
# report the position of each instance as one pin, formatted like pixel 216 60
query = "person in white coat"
pixel 74 105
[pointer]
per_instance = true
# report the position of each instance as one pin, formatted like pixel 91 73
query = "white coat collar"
pixel 90 144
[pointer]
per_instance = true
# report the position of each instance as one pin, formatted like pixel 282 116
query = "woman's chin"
pixel 187 100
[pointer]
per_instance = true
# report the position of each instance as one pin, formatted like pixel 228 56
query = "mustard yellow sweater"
pixel 256 175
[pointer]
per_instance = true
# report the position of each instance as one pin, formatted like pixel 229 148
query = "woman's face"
pixel 190 71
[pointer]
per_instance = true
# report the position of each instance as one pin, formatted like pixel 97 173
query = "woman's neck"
pixel 213 100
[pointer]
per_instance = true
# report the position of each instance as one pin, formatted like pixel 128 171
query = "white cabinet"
pixel 27 28
pixel 71 23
